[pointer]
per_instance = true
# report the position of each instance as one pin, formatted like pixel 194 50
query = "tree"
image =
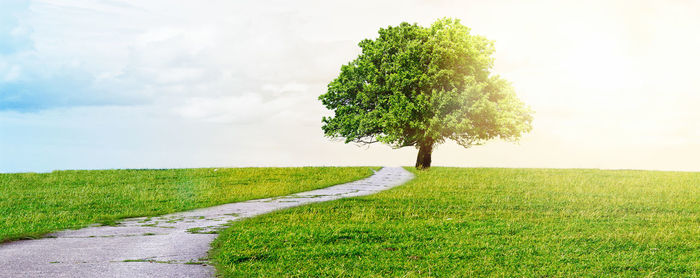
pixel 419 86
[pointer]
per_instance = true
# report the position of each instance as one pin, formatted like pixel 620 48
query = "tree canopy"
pixel 419 86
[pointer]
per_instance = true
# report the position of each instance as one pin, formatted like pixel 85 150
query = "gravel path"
pixel 173 245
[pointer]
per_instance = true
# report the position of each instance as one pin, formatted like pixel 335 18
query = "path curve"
pixel 172 245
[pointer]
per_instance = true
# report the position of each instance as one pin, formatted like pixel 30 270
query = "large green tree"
pixel 419 86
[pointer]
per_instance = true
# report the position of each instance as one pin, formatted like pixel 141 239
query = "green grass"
pixel 455 222
pixel 34 204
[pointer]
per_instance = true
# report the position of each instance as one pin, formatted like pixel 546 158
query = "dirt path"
pixel 173 245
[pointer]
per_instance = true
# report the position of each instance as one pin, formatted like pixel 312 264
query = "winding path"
pixel 173 245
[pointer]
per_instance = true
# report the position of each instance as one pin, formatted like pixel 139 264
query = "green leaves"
pixel 415 84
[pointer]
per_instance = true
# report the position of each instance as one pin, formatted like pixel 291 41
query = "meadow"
pixel 33 204
pixel 455 222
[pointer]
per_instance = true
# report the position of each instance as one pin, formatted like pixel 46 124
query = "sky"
pixel 179 84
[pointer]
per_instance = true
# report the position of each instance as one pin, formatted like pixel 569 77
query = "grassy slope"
pixel 33 204
pixel 483 222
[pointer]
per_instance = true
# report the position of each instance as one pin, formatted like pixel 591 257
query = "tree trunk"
pixel 425 150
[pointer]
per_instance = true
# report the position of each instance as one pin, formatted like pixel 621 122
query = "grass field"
pixel 453 222
pixel 33 204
